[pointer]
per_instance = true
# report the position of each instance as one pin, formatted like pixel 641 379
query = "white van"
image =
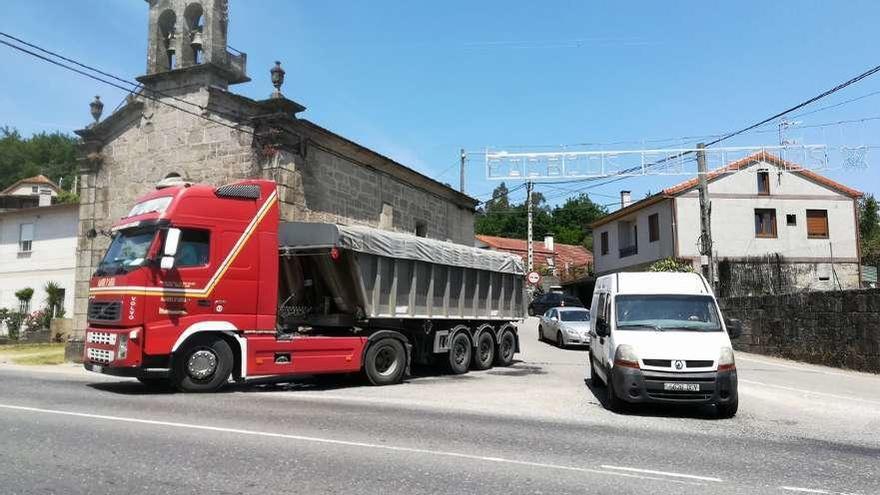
pixel 660 337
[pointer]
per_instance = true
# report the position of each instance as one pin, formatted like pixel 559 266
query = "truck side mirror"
pixel 601 327
pixel 734 327
pixel 172 240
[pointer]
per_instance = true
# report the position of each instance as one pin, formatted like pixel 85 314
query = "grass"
pixel 32 354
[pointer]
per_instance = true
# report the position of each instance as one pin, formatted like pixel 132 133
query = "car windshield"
pixel 575 315
pixel 128 250
pixel 667 312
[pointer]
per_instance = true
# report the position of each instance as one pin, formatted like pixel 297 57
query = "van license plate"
pixel 682 387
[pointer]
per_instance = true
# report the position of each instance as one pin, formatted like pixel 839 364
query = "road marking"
pixel 803 490
pixel 347 443
pixel 805 369
pixel 821 394
pixel 663 473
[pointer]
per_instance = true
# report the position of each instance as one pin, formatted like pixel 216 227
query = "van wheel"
pixel 614 403
pixel 385 362
pixel 203 366
pixel 485 352
pixel 460 351
pixel 729 409
pixel 594 378
pixel 506 349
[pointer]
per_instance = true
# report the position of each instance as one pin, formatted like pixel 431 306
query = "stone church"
pixel 184 119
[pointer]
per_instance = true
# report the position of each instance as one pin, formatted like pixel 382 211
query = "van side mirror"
pixel 172 241
pixel 601 327
pixel 734 327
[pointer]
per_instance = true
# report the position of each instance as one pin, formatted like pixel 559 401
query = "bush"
pixel 37 320
pixel 670 265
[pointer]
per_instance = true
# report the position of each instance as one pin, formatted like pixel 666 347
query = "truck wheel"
pixel 506 349
pixel 385 362
pixel 728 410
pixel 460 351
pixel 203 366
pixel 485 354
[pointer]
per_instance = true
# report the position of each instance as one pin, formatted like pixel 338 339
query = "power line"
pixel 127 90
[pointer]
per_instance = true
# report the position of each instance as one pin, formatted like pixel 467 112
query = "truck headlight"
pixel 122 347
pixel 626 356
pixel 726 361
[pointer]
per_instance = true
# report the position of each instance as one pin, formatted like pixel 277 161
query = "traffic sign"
pixel 533 278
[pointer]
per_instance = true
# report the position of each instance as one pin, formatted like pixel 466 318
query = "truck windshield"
pixel 128 250
pixel 667 312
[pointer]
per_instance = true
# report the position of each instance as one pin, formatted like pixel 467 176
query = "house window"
pixel 791 220
pixel 654 227
pixel 817 224
pixel 34 189
pixel 25 237
pixel 764 182
pixel 421 229
pixel 627 239
pixel 604 243
pixel 193 249
pixel 765 222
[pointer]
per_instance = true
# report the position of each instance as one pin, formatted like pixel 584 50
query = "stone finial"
pixel 97 108
pixel 277 79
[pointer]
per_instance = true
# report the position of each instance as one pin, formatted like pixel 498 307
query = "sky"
pixel 418 81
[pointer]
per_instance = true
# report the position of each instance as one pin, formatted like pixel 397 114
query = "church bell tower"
pixel 184 34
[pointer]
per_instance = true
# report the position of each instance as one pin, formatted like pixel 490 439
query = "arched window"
pixel 195 25
pixel 167 35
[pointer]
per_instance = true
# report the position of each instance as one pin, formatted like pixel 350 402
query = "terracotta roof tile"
pixel 563 254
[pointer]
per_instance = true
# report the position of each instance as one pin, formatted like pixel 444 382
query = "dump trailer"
pixel 203 284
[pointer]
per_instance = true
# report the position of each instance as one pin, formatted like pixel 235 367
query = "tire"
pixel 506 349
pixel 540 334
pixel 460 352
pixel 531 312
pixel 385 362
pixel 155 383
pixel 484 353
pixel 728 410
pixel 560 341
pixel 613 402
pixel 203 366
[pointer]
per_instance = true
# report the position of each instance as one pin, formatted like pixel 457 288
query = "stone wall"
pixel 834 328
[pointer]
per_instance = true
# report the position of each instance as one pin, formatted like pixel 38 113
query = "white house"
pixel 26 193
pixel 762 208
pixel 38 245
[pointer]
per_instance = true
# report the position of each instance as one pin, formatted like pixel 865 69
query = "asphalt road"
pixel 531 428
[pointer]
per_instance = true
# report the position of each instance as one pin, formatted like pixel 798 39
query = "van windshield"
pixel 667 312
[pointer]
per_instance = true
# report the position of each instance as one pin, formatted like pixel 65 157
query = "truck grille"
pixel 104 310
pixel 100 356
pixel 105 338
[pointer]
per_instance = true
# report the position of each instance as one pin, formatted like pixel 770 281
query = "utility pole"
pixel 531 252
pixel 705 215
pixel 461 171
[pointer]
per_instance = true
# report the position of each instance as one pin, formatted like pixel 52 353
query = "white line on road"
pixel 662 473
pixel 803 490
pixel 806 369
pixel 346 443
pixel 802 391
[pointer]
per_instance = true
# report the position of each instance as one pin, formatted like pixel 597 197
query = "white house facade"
pixel 761 208
pixel 38 245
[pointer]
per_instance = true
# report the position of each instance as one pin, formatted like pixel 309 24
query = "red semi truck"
pixel 202 284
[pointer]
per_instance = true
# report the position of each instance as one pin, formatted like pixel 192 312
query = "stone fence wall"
pixel 834 328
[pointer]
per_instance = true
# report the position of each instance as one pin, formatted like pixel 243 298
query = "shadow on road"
pixel 708 412
pixel 418 375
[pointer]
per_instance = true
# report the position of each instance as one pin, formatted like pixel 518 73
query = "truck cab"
pixel 661 338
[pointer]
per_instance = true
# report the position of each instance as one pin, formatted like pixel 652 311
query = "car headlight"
pixel 122 347
pixel 726 362
pixel 626 356
pixel 571 331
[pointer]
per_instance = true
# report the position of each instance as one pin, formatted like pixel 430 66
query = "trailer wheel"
pixel 385 362
pixel 203 366
pixel 506 349
pixel 460 351
pixel 485 354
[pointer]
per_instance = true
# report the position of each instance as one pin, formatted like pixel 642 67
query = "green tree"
pixel 50 154
pixel 869 230
pixel 670 265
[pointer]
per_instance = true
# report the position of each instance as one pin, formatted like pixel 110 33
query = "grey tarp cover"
pixel 297 235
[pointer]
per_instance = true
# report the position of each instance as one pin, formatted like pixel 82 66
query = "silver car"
pixel 565 326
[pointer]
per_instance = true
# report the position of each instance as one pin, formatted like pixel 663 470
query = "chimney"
pixel 548 243
pixel 625 198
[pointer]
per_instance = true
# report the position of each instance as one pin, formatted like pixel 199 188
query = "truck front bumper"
pixel 132 372
pixel 643 386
